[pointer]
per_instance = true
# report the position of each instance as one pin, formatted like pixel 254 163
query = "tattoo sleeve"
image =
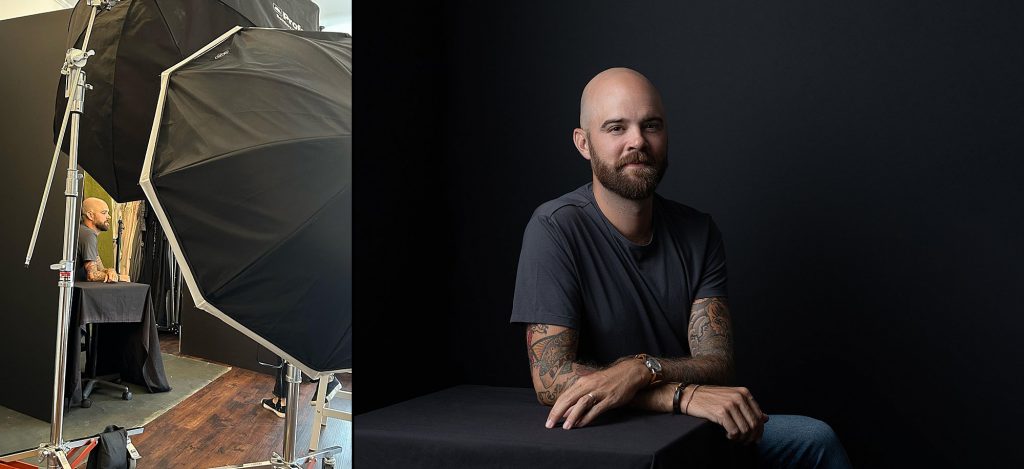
pixel 94 271
pixel 710 339
pixel 552 352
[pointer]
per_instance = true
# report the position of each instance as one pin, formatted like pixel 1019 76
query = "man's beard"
pixel 637 186
pixel 104 226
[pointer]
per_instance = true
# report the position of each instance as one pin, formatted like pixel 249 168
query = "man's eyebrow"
pixel 614 120
pixel 620 120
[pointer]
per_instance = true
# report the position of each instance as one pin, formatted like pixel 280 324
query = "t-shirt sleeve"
pixel 88 246
pixel 713 280
pixel 547 285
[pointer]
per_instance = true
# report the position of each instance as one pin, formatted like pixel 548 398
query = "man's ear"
pixel 579 137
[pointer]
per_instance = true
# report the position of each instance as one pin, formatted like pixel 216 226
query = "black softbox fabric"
pixel 134 42
pixel 251 176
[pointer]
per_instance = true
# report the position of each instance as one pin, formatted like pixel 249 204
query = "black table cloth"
pixel 125 336
pixel 494 427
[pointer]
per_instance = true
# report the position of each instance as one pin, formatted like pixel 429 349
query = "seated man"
pixel 95 218
pixel 624 292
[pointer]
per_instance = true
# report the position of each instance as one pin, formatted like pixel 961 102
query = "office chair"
pixel 90 380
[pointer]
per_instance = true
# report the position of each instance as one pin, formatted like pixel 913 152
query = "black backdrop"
pixel 862 160
pixel 29 298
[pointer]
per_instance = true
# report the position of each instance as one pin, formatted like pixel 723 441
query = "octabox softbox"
pixel 134 41
pixel 249 170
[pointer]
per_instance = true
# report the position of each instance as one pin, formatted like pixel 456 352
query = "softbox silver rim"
pixel 172 238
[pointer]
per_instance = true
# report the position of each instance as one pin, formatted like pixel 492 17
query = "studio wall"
pixel 30 297
pixel 862 161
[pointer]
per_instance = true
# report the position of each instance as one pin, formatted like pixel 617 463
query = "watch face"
pixel 654 365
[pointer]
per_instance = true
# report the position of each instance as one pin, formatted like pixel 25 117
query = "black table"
pixel 495 427
pixel 125 336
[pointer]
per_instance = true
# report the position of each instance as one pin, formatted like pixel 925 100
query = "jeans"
pixel 795 441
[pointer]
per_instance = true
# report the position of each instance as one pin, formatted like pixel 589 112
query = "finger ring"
pixel 591 395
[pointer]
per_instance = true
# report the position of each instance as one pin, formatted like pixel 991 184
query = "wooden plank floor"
pixel 224 424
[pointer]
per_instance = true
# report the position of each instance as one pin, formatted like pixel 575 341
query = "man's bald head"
pixel 613 84
pixel 93 204
pixel 96 214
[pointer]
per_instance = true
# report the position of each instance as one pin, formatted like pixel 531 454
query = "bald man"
pixel 95 218
pixel 623 292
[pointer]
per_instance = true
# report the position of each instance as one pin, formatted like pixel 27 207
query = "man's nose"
pixel 636 139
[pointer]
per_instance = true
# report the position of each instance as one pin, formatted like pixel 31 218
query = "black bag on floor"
pixel 112 451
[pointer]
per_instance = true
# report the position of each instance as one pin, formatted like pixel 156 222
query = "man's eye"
pixel 615 128
pixel 653 126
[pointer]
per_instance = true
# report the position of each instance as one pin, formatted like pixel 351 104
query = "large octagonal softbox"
pixel 249 170
pixel 135 41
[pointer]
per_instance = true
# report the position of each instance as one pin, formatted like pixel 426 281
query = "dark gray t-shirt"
pixel 88 250
pixel 577 270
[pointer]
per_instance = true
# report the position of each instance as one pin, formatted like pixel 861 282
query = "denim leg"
pixel 795 441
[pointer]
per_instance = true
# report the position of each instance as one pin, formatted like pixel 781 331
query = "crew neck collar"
pixel 655 223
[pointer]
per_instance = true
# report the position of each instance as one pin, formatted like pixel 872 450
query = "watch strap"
pixel 655 374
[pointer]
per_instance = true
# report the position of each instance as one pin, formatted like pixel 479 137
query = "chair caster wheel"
pixel 127 395
pixel 86 403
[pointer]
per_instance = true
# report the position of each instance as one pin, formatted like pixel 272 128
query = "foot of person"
pixel 332 390
pixel 275 406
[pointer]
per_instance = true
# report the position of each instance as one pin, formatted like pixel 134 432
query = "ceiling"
pixel 336 15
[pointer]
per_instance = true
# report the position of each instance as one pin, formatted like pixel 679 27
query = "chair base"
pixel 90 385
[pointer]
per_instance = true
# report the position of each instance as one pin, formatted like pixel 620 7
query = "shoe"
pixel 274 405
pixel 332 390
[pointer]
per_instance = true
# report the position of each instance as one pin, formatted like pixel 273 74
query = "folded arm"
pixel 579 392
pixel 560 380
pixel 710 339
pixel 554 367
pixel 95 272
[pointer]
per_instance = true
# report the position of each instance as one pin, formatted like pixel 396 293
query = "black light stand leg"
pixel 53 455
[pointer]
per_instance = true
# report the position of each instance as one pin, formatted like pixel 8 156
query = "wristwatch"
pixel 652 364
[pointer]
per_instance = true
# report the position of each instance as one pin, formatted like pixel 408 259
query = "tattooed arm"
pixel 711 364
pixel 579 393
pixel 710 339
pixel 552 351
pixel 553 365
pixel 95 272
pixel 562 382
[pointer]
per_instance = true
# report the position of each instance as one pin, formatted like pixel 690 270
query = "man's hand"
pixel 732 408
pixel 595 393
pixel 110 275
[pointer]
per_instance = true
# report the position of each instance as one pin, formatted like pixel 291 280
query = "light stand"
pixel 172 297
pixel 288 460
pixel 117 247
pixel 323 412
pixel 53 455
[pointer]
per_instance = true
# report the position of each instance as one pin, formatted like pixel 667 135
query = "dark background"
pixel 29 298
pixel 862 159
